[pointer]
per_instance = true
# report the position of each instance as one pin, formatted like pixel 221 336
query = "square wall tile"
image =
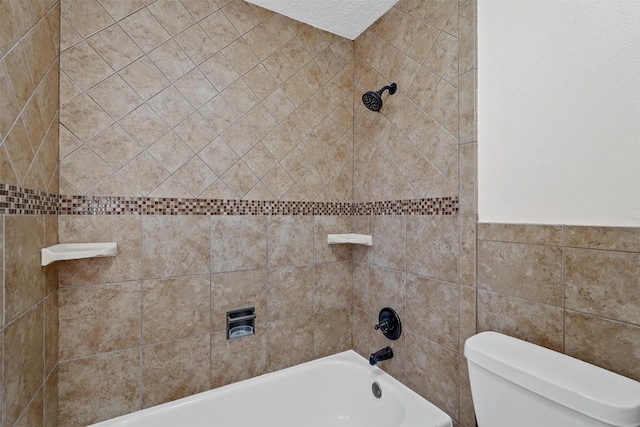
pixel 290 241
pixel 289 342
pixel 612 238
pixel 432 246
pixel 387 288
pixel 23 275
pixel 98 388
pixel 603 283
pixel 126 231
pixel 333 287
pixel 602 342
pixel 99 318
pixel 290 292
pixel 324 225
pixel 331 332
pixel 527 271
pixel 238 243
pixel 528 320
pixel 389 244
pixel 23 362
pixel 432 310
pixel 239 289
pixel 175 246
pixel 175 308
pixel 238 359
pixel 175 369
pixel 432 371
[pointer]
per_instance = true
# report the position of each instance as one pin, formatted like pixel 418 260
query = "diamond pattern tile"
pixel 172 15
pixel 219 114
pixel 145 30
pixel 84 66
pixel 195 87
pixel 195 176
pixel 260 160
pixel 240 138
pixel 196 44
pixel 239 179
pixel 115 47
pixel 84 118
pixel 218 156
pixel 171 152
pixel 115 146
pixel 206 98
pixel 119 9
pixel 171 106
pixel 115 97
pixel 144 77
pixel 278 181
pixel 84 169
pixel 144 174
pixel 85 16
pixel 195 132
pixel 219 29
pixel 171 60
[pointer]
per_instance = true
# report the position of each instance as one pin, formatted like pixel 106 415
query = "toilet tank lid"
pixel 585 388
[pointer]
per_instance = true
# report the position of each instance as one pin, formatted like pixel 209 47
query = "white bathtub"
pixel 333 391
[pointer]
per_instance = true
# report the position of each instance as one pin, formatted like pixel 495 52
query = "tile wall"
pixel 223 100
pixel 572 289
pixel 422 144
pixel 239 103
pixel 29 36
pixel 208 99
pixel 151 321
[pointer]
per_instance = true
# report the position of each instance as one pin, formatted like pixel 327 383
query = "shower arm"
pixel 392 89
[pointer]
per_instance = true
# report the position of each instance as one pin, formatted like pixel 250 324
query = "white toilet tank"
pixel 518 384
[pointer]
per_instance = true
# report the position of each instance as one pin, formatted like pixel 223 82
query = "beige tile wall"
pixel 148 326
pixel 414 267
pixel 208 99
pixel 410 149
pixel 422 144
pixel 29 46
pixel 29 36
pixel 410 157
pixel 572 289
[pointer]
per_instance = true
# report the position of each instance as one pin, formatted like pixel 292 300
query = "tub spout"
pixel 380 355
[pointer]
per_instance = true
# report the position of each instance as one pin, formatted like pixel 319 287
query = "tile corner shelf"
pixel 68 251
pixel 356 239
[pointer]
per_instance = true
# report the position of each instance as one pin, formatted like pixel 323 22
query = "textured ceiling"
pixel 346 18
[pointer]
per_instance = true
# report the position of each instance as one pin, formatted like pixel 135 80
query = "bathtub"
pixel 332 391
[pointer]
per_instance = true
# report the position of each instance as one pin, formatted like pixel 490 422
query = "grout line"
pixel 564 288
pixel 140 276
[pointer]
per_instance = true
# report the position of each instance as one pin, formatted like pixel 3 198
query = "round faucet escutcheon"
pixel 389 323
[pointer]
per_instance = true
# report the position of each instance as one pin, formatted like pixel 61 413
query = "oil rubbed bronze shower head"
pixel 373 100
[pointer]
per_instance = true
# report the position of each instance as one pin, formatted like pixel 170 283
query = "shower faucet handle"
pixel 385 326
pixel 389 323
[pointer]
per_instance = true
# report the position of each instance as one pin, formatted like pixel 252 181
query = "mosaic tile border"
pixel 20 201
pixel 16 200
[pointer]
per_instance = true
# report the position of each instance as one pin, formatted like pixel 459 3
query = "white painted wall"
pixel 559 112
pixel 346 18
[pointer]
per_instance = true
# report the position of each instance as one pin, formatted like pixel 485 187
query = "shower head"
pixel 373 100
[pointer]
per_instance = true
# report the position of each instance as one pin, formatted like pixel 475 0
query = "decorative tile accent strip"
pixel 81 205
pixel 16 200
pixel 431 206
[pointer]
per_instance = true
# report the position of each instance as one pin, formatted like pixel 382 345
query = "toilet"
pixel 518 384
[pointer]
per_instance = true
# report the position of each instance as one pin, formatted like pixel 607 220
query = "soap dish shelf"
pixel 355 239
pixel 68 251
